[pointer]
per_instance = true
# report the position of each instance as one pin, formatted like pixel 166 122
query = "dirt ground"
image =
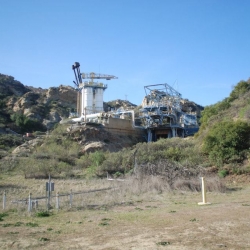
pixel 163 221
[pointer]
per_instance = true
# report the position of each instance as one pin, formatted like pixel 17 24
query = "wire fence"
pixel 57 201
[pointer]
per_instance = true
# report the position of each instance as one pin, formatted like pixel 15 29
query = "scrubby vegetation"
pixel 227 142
pixel 222 143
pixel 26 124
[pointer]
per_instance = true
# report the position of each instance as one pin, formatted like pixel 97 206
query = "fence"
pixel 60 200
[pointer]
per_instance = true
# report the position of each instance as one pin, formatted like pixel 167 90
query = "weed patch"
pixel 3 215
pixel 163 243
pixel 7 225
pixel 194 219
pixel 13 233
pixel 31 224
pixel 43 214
pixel 44 239
pixel 18 224
pixel 104 223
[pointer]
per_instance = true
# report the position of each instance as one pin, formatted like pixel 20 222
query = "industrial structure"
pixel 161 115
pixel 90 93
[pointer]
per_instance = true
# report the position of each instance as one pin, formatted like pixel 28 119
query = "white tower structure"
pixel 90 93
pixel 91 97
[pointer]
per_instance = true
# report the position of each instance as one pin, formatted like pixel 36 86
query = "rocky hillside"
pixel 46 106
pixel 49 106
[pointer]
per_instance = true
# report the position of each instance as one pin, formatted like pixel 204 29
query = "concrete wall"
pixel 124 127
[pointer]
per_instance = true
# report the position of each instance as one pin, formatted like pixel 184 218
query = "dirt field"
pixel 160 221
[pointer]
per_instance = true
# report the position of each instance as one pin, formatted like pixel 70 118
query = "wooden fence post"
pixel 57 201
pixel 4 200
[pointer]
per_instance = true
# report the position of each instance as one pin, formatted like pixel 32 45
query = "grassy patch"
pixel 18 224
pixel 104 223
pixel 7 225
pixel 163 243
pixel 3 215
pixel 31 224
pixel 194 219
pixel 13 233
pixel 44 239
pixel 43 214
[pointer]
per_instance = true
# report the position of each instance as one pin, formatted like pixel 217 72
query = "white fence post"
pixel 29 203
pixel 70 198
pixel 57 201
pixel 4 200
pixel 204 195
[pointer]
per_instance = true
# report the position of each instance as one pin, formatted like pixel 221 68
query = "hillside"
pixel 221 145
pixel 48 106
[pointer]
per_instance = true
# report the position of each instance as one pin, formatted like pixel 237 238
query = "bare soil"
pixel 169 220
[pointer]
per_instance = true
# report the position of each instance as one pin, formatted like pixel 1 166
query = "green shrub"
pixel 43 214
pixel 9 141
pixel 173 150
pixel 2 103
pixel 96 159
pixel 31 224
pixel 241 88
pixel 227 142
pixel 26 124
pixel 3 215
pixel 223 173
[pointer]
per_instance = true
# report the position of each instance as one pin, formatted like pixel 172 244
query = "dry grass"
pixel 115 192
pixel 136 214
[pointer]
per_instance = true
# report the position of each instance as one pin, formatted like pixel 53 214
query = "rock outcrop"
pixel 10 87
pixel 96 138
pixel 47 106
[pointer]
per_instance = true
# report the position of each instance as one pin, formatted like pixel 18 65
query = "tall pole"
pixel 4 199
pixel 48 190
pixel 204 195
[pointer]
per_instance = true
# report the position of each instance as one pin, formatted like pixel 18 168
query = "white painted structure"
pixel 91 97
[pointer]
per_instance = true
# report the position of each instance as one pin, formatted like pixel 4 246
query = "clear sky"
pixel 201 48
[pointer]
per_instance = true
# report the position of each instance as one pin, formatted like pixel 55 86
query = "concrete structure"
pixel 91 98
pixel 161 115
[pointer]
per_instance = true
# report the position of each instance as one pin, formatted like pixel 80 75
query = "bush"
pixel 241 88
pixel 43 214
pixel 213 110
pixel 223 173
pixel 227 142
pixel 175 150
pixel 26 124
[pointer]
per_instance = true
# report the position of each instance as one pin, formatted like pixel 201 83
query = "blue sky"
pixel 201 48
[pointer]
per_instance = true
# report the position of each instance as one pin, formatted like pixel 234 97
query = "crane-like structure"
pixel 90 93
pixel 93 76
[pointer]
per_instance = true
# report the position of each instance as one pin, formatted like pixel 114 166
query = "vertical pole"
pixel 4 199
pixel 49 186
pixel 29 203
pixel 204 197
pixel 70 198
pixel 36 204
pixel 57 201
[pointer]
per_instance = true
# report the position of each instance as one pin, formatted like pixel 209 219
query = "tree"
pixel 25 123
